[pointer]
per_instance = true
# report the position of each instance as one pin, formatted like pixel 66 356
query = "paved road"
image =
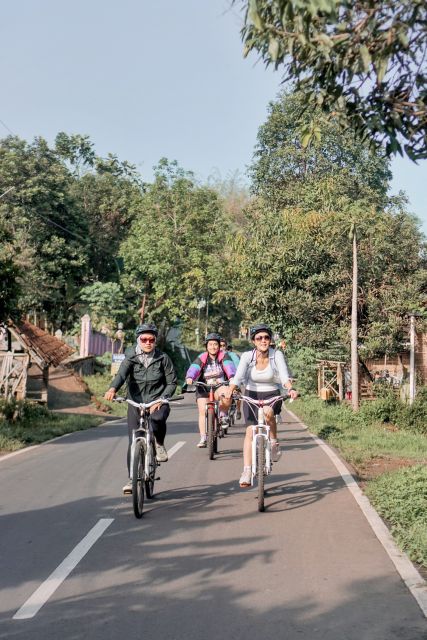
pixel 202 563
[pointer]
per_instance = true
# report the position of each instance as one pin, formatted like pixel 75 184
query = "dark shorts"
pixel 250 413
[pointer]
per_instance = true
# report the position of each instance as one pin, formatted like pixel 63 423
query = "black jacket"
pixel 146 384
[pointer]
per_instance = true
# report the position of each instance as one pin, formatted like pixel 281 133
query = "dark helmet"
pixel 258 328
pixel 146 328
pixel 212 336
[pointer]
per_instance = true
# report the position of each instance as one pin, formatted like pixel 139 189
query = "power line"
pixel 6 127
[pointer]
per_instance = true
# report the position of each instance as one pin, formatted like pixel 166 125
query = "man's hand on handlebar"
pixel 109 395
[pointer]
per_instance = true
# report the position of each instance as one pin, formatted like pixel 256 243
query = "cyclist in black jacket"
pixel 150 375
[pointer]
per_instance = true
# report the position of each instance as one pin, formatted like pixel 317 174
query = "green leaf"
pixel 381 69
pixel 273 49
pixel 254 15
pixel 365 56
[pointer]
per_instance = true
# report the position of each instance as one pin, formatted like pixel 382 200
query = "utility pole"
pixel 412 389
pixel 354 350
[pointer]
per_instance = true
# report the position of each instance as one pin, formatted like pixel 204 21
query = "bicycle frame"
pixel 261 432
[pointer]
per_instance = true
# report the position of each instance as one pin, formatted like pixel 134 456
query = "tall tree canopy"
pixel 287 173
pixel 365 61
pixel 174 253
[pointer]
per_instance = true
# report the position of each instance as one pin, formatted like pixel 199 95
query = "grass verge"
pixel 36 424
pixel 98 385
pixel 374 447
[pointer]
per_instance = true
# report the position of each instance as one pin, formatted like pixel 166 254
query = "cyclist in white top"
pixel 263 371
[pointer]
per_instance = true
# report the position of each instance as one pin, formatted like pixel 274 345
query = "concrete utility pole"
pixel 354 351
pixel 412 389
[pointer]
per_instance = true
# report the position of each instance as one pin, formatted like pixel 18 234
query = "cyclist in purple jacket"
pixel 211 366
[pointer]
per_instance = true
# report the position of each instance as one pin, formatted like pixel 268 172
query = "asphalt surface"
pixel 202 562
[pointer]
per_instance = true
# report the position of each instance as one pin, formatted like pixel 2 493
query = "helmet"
pixel 212 336
pixel 258 328
pixel 146 328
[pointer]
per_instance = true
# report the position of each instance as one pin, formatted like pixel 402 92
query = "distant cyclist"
pixel 150 375
pixel 236 359
pixel 213 366
pixel 262 371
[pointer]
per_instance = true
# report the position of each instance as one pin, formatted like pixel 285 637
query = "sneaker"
pixel 238 415
pixel 276 451
pixel 245 478
pixel 127 489
pixel 161 453
pixel 203 443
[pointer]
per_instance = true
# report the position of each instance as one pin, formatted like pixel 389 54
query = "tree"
pixel 9 274
pixel 48 237
pixel 174 250
pixel 294 269
pixel 287 173
pixel 104 303
pixel 365 62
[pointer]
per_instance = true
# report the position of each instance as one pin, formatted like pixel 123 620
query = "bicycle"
pixel 213 427
pixel 143 458
pixel 262 459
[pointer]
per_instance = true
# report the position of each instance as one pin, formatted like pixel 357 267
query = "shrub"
pixel 401 498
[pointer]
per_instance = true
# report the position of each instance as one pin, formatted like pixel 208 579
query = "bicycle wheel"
pixel 260 463
pixel 138 479
pixel 152 467
pixel 210 427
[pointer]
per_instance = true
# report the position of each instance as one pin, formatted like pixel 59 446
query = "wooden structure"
pixel 26 353
pixel 331 379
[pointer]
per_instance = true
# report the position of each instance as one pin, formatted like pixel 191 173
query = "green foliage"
pixel 292 259
pixel 24 423
pixel 105 304
pixel 174 251
pixel 302 362
pixel 285 173
pixel 362 436
pixel 362 62
pixel 41 221
pixel 401 498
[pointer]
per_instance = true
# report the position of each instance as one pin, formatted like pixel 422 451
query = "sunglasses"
pixel 259 338
pixel 147 340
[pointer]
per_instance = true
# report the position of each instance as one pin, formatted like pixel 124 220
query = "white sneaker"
pixel 161 453
pixel 127 489
pixel 245 478
pixel 203 443
pixel 276 451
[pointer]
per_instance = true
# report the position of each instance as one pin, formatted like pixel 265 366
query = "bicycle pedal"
pixel 158 478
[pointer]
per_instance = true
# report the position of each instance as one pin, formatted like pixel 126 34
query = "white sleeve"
pixel 282 367
pixel 241 373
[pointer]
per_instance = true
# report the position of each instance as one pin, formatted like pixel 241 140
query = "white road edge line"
pixel 176 447
pixel 50 585
pixel 411 577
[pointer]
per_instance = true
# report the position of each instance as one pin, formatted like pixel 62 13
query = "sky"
pixel 146 79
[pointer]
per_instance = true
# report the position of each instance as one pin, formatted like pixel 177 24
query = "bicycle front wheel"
pixel 138 479
pixel 152 467
pixel 260 458
pixel 210 432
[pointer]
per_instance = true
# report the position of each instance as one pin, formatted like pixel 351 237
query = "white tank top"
pixel 262 380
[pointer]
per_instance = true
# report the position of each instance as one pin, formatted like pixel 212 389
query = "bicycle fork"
pixel 135 438
pixel 261 432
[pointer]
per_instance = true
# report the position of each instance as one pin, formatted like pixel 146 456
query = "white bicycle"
pixel 262 460
pixel 143 459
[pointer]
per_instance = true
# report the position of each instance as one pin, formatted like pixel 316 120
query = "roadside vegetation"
pixel 24 423
pixel 386 443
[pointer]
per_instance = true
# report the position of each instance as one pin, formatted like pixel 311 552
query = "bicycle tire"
pixel 152 467
pixel 210 432
pixel 138 480
pixel 260 458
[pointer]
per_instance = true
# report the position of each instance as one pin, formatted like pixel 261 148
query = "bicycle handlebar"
pixel 147 405
pixel 187 388
pixel 260 403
